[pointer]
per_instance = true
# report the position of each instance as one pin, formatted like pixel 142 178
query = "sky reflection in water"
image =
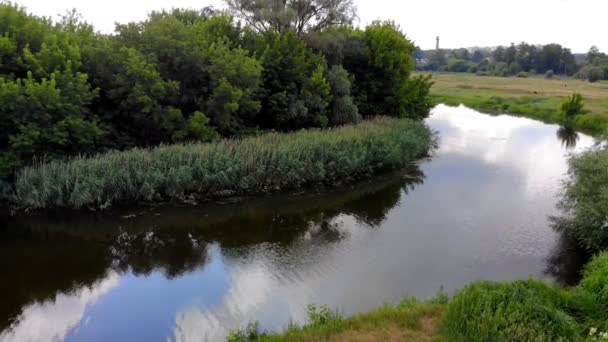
pixel 477 210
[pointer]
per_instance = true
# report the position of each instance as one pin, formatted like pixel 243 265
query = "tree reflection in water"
pixel 566 261
pixel 42 257
pixel 568 136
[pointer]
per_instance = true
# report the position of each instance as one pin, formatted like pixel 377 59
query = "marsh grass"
pixel 269 162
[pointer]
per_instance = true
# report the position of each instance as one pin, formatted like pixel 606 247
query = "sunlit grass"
pixel 523 310
pixel 269 162
pixel 533 97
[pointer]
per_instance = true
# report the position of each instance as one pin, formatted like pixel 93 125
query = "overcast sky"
pixel 577 24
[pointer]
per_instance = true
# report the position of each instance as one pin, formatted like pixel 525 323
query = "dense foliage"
pixel 595 67
pixel 268 162
pixel 531 310
pixel 185 75
pixel 585 199
pixel 514 60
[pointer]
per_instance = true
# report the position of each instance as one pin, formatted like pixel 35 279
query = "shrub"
pixel 572 106
pixel 519 311
pixel 257 164
pixel 458 65
pixel 501 69
pixel 584 203
pixel 514 68
pixel 591 73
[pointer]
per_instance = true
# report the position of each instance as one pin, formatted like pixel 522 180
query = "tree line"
pixel 521 59
pixel 190 75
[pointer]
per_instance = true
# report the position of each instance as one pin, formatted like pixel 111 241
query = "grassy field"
pixel 270 162
pixel 522 310
pixel 534 97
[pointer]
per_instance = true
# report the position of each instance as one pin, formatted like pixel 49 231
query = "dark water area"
pixel 476 210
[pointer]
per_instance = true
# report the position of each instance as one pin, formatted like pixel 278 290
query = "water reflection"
pixel 65 263
pixel 477 210
pixel 568 136
pixel 566 261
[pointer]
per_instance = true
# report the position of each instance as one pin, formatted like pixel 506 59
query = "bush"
pixel 519 311
pixel 572 106
pixel 458 65
pixel 584 202
pixel 257 164
pixel 514 68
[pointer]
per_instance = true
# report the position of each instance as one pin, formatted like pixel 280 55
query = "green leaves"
pixel 572 106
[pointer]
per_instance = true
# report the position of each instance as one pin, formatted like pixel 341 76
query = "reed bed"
pixel 269 162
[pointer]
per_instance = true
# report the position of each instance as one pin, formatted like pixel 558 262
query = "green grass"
pixel 523 310
pixel 410 320
pixel 536 98
pixel 270 162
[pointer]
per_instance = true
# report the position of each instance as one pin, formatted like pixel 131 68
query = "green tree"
pixel 283 16
pixel 296 93
pixel 343 108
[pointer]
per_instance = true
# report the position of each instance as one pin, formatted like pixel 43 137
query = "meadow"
pixel 265 163
pixel 534 97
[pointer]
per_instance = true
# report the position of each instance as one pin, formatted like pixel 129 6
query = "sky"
pixel 576 24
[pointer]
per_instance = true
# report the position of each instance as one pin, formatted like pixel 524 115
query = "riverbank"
pixel 524 310
pixel 267 163
pixel 533 97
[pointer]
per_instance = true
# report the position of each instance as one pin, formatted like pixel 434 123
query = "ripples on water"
pixel 476 210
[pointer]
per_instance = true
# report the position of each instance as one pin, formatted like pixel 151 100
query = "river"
pixel 477 209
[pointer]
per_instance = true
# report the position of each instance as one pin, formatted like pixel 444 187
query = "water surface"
pixel 476 210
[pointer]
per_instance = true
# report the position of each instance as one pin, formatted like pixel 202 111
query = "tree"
pixel 281 16
pixel 499 55
pixel 594 55
pixel 391 62
pixel 510 54
pixel 296 92
pixel 477 56
pixel 527 56
pixel 343 108
pixel 461 54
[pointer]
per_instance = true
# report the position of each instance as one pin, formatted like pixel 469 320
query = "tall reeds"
pixel 268 162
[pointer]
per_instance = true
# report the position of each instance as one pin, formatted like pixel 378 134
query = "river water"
pixel 476 210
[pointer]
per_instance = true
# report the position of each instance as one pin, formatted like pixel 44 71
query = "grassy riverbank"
pixel 534 97
pixel 525 310
pixel 270 162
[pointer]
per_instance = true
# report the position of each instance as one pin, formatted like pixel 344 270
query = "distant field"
pixel 534 97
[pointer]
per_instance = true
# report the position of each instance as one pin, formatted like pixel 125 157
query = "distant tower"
pixel 437 46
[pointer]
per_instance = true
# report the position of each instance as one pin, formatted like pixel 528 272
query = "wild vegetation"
pixel 264 163
pixel 514 60
pixel 524 310
pixel 522 60
pixel 533 97
pixel 584 202
pixel 186 76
